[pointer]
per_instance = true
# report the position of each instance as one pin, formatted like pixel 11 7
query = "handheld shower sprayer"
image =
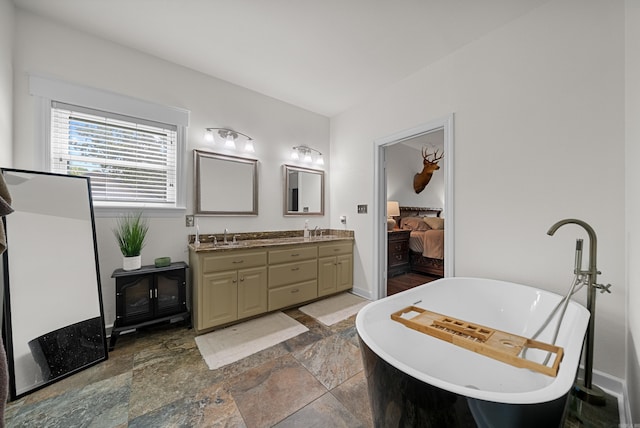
pixel 578 264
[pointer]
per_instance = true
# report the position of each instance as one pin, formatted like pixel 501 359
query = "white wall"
pixel 7 15
pixel 632 156
pixel 539 136
pixel 45 48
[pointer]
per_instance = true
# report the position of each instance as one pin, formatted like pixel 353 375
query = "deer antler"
pixel 435 158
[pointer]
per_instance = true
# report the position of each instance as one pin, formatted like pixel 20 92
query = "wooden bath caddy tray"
pixel 496 344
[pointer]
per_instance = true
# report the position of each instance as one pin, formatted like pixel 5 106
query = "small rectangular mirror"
pixel 225 185
pixel 303 191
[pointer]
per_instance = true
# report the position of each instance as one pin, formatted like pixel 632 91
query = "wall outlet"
pixel 362 209
pixel 189 222
pixel 343 219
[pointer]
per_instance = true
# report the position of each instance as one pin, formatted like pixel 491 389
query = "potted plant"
pixel 130 232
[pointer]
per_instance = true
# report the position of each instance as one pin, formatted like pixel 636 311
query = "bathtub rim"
pixel 562 384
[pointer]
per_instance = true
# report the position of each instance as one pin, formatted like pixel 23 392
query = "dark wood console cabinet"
pixel 398 252
pixel 149 295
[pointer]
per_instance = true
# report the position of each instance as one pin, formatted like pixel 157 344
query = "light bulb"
pixel 320 160
pixel 295 155
pixel 307 157
pixel 248 147
pixel 208 136
pixel 230 143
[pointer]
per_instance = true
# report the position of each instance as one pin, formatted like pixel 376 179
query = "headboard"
pixel 419 212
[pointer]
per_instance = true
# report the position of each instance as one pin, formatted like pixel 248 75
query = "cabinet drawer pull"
pixel 295 290
pixel 238 261
pixel 295 255
pixel 295 269
pixel 156 293
pixel 150 293
pixel 242 278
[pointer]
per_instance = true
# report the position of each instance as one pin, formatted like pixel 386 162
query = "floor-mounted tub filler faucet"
pixel 586 391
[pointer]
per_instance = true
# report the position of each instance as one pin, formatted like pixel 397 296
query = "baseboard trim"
pixel 365 294
pixel 616 387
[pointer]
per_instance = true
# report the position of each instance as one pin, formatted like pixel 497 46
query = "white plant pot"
pixel 131 263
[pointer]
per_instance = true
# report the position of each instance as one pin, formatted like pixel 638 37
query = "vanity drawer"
pixel 293 254
pixel 292 294
pixel 233 260
pixel 335 249
pixel 290 273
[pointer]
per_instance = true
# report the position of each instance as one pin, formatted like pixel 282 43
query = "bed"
pixel 426 243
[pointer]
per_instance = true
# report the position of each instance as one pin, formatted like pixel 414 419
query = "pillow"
pixel 413 223
pixel 436 223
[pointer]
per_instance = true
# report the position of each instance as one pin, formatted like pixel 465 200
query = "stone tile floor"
pixel 157 378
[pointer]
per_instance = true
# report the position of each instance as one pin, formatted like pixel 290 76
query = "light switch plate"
pixel 189 221
pixel 362 209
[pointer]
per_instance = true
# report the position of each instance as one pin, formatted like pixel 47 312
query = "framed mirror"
pixel 303 191
pixel 53 314
pixel 225 185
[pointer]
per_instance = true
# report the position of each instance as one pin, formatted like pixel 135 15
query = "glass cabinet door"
pixel 135 299
pixel 171 293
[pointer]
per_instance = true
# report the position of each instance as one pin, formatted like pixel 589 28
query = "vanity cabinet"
pixel 228 287
pixel 335 271
pixel 293 275
pixel 232 284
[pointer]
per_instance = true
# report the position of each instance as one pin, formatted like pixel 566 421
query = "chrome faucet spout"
pixel 593 243
pixel 226 231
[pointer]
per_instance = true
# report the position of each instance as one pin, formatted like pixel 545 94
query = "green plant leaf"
pixel 130 232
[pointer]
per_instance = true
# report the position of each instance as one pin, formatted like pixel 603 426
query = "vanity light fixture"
pixel 229 137
pixel 307 154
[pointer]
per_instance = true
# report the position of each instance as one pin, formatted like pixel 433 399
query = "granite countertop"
pixel 209 246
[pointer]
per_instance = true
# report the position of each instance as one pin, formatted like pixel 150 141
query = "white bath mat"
pixel 233 343
pixel 334 309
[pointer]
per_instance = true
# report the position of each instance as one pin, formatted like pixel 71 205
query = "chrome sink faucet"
pixel 226 231
pixel 315 231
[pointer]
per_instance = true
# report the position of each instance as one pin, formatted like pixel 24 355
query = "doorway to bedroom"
pixel 413 246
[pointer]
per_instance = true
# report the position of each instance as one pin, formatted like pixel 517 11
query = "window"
pixel 133 149
pixel 131 161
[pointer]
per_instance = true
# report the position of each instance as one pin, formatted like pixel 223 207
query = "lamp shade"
pixel 393 209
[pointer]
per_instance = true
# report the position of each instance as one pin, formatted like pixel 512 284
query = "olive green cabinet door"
pixel 219 299
pixel 252 292
pixel 344 272
pixel 327 269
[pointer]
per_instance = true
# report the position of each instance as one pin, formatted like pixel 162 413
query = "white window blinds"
pixel 131 161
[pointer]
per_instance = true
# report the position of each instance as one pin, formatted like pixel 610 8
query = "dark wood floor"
pixel 406 281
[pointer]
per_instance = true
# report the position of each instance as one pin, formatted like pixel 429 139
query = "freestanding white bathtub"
pixel 418 380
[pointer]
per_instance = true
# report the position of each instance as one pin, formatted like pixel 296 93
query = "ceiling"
pixel 324 56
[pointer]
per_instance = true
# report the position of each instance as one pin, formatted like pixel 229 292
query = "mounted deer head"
pixel 430 164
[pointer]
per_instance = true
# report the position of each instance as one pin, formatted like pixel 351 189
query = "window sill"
pixel 152 212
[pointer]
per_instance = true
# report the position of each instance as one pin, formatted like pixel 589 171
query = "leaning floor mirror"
pixel 53 314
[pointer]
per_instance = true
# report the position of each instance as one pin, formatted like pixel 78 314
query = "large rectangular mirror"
pixel 53 318
pixel 225 185
pixel 303 191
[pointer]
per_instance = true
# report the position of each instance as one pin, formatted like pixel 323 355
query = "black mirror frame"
pixel 7 335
